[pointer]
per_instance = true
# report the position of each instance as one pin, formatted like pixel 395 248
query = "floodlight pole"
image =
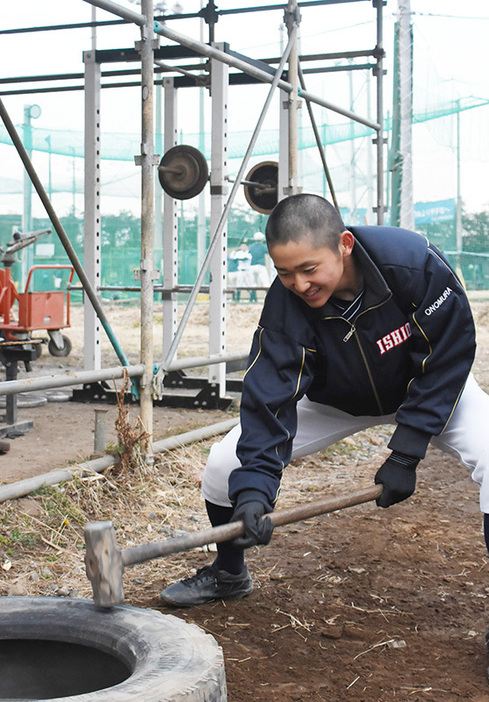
pixel 380 140
pixel 402 210
pixel 30 112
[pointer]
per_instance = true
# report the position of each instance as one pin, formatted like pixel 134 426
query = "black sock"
pixel 228 557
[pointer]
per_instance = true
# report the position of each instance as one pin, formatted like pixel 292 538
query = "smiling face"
pixel 314 274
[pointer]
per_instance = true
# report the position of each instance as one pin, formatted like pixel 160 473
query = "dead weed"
pixel 41 537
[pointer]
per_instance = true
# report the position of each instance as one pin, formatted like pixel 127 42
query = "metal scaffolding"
pixel 288 78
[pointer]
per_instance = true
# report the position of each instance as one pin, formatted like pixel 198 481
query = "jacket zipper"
pixel 350 333
pixel 348 336
pixel 374 389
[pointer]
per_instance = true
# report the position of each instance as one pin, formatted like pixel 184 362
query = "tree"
pixel 123 229
pixel 476 232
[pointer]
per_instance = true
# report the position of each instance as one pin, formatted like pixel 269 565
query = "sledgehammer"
pixel 105 562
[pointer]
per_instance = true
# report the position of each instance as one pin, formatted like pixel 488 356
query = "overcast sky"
pixel 450 63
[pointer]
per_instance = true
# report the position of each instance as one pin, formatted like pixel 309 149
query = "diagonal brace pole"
pixel 220 225
pixel 87 286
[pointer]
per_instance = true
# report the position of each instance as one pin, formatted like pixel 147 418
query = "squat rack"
pixel 221 58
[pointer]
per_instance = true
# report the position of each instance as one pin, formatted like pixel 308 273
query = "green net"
pixel 120 255
pixel 119 146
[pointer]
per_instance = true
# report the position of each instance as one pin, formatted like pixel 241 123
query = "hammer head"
pixel 103 563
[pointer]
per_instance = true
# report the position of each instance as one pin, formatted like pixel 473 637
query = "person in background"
pixel 241 258
pixel 233 273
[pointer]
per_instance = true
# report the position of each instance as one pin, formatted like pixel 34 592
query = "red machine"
pixel 22 313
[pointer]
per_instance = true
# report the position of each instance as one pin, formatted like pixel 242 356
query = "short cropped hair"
pixel 304 216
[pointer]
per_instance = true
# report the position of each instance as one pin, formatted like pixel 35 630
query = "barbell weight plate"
pixel 182 174
pixel 263 196
pixel 187 172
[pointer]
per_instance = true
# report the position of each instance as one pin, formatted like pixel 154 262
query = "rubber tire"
pixel 26 400
pixel 60 353
pixel 171 660
pixel 58 395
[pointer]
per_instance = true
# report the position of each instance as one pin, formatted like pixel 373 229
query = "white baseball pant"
pixel 466 437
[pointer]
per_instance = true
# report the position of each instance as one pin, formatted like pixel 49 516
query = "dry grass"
pixel 41 537
pixel 131 437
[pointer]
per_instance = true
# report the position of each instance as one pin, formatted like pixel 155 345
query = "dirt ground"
pixel 363 604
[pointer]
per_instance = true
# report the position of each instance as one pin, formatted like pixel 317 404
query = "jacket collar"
pixel 375 286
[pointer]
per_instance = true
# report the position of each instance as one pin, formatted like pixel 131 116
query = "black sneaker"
pixel 208 584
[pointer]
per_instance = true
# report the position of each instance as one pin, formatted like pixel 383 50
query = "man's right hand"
pixel 250 510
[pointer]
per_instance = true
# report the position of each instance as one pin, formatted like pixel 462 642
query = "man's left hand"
pixel 398 478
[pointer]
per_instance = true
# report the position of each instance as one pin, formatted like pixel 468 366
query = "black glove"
pixel 251 505
pixel 398 477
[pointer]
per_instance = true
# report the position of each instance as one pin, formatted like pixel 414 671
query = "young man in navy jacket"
pixel 362 326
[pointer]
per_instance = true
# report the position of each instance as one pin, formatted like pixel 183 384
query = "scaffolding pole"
pixel 48 382
pixel 257 73
pixel 147 161
pixel 292 20
pixel 320 145
pixel 120 11
pixel 223 219
pixel 13 387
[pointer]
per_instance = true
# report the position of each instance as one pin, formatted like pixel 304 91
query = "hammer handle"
pixel 226 532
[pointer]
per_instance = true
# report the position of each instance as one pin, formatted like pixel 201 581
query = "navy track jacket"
pixel 408 351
